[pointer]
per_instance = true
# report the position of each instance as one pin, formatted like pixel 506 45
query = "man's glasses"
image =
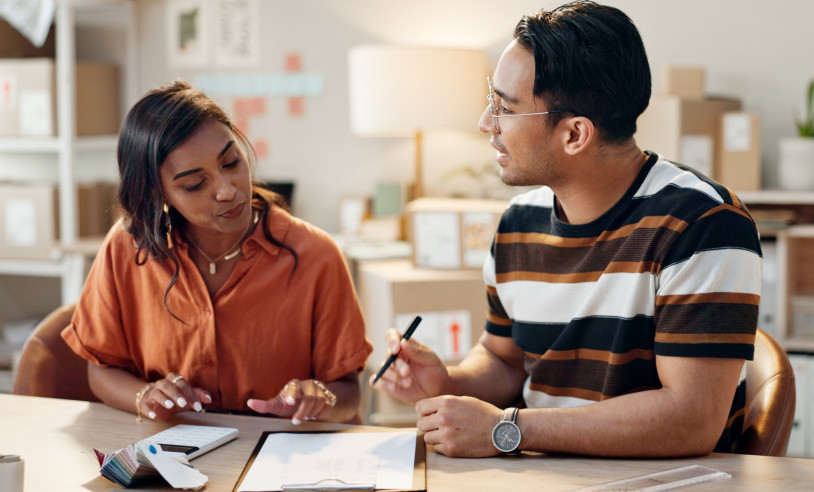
pixel 495 110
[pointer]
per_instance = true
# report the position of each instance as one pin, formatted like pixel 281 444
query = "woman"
pixel 208 294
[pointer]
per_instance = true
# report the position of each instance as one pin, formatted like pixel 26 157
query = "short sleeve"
pixel 339 342
pixel 96 332
pixel 708 291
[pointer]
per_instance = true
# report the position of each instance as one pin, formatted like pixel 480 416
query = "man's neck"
pixel 600 180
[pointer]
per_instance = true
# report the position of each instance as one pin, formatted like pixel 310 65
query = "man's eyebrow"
pixel 198 169
pixel 506 97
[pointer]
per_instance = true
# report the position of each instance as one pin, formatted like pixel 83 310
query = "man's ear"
pixel 580 132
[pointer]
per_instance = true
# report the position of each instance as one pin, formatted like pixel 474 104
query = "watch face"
pixel 506 436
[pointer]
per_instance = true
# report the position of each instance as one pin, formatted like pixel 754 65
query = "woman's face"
pixel 208 181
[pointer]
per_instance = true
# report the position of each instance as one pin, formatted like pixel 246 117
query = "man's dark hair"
pixel 589 59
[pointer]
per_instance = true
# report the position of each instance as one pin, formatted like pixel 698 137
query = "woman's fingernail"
pixel 151 414
pixel 290 400
pixel 182 402
pixel 169 404
pixel 296 421
pixel 197 406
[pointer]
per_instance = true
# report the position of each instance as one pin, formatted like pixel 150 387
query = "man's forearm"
pixel 485 376
pixel 645 424
pixel 684 418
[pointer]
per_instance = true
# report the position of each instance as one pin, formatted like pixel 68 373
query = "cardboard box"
pixel 392 292
pixel 738 165
pixel 97 208
pixel 452 304
pixel 28 222
pixel 687 131
pixel 28 98
pixel 452 233
pixel 684 82
pixel 15 44
pixel 29 217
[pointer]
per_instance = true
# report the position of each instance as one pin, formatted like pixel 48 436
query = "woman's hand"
pixel 164 398
pixel 301 400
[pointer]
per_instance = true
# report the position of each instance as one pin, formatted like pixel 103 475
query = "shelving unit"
pixel 66 147
pixel 793 261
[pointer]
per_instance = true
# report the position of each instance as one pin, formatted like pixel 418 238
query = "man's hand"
pixel 416 374
pixel 459 426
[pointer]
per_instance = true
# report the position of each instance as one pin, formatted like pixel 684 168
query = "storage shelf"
pixel 70 259
pixel 34 268
pixel 49 145
pixel 797 344
pixel 776 197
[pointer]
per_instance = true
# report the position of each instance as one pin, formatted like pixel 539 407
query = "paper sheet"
pixel 385 459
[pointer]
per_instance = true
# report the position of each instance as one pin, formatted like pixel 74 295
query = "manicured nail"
pixel 151 415
pixel 197 406
pixel 169 404
pixel 290 400
pixel 295 421
pixel 182 402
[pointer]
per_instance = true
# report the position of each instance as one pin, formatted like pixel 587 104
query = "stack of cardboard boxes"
pixel 442 282
pixel 28 110
pixel 710 134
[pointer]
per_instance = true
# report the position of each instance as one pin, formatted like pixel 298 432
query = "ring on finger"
pixel 328 393
pixel 176 379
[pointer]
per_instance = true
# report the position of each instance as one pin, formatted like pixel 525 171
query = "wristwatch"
pixel 506 434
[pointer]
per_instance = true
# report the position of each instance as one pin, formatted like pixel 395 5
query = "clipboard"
pixel 329 485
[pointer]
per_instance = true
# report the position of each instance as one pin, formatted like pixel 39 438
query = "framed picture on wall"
pixel 237 36
pixel 188 35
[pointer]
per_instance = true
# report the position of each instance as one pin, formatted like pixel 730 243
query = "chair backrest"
pixel 770 400
pixel 48 367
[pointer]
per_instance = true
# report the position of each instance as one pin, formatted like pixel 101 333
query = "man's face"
pixel 525 144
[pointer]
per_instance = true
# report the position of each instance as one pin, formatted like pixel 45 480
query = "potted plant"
pixel 796 164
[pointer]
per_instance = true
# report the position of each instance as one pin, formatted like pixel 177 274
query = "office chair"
pixel 48 367
pixel 770 400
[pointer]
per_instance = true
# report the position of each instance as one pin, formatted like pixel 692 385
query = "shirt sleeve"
pixel 339 342
pixel 708 291
pixel 96 332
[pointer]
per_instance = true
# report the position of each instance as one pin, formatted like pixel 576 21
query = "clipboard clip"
pixel 331 485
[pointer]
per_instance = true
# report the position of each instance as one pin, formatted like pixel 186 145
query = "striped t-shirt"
pixel 672 269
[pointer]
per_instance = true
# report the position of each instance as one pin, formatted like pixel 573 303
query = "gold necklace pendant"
pixel 226 256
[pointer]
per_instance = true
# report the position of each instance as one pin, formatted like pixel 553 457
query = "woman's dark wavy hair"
pixel 158 123
pixel 589 60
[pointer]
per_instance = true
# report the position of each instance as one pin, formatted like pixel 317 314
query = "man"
pixel 623 293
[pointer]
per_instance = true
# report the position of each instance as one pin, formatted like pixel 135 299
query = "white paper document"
pixel 386 459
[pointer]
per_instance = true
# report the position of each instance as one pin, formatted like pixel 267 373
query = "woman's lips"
pixel 233 213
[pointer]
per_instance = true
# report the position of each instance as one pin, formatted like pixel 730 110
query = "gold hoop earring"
pixel 168 223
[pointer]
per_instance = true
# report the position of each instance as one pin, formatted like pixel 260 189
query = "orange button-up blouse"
pixel 263 327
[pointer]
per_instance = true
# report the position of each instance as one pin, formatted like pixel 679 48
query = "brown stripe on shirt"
pixel 716 338
pixel 718 297
pixel 591 354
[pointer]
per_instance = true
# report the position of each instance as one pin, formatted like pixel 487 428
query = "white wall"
pixel 753 50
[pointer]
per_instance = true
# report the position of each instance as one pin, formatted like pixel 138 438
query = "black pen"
pixel 407 335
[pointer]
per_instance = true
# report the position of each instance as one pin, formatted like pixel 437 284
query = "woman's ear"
pixel 580 133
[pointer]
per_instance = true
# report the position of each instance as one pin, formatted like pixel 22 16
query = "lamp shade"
pixel 401 91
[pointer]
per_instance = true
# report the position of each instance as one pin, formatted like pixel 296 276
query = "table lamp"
pixel 397 91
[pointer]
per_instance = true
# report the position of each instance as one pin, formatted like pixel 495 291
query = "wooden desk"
pixel 56 439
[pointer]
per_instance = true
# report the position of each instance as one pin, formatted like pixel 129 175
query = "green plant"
pixel 805 127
